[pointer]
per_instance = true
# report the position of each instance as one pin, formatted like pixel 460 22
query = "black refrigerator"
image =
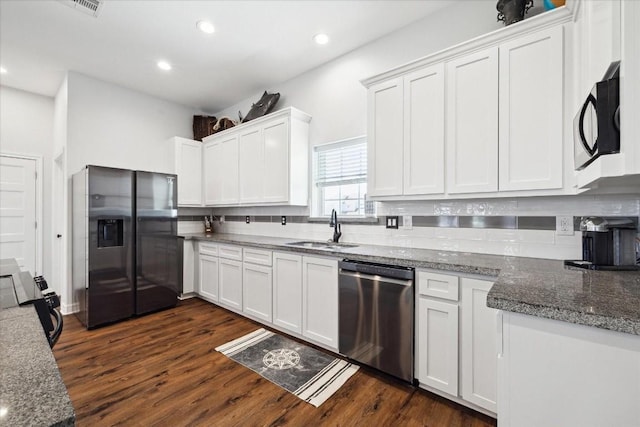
pixel 127 256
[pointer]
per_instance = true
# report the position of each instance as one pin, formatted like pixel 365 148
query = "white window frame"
pixel 316 192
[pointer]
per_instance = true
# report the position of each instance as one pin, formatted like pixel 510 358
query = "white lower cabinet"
pixel 257 284
pixel 555 373
pixel 230 283
pixel 208 286
pixel 256 289
pixel 437 344
pixel 287 291
pixel 188 269
pixel 456 339
pixel 320 300
pixel 478 340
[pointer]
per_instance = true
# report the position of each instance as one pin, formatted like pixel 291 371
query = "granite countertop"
pixel 532 286
pixel 31 389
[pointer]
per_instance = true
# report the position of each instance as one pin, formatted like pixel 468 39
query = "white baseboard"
pixel 69 308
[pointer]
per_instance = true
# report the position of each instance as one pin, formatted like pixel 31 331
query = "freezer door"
pixel 158 249
pixel 109 293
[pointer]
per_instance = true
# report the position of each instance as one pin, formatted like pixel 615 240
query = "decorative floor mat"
pixel 310 374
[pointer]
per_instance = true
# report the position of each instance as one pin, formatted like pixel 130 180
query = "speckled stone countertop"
pixel 533 286
pixel 31 390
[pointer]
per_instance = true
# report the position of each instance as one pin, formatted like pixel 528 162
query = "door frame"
pixel 59 225
pixel 39 204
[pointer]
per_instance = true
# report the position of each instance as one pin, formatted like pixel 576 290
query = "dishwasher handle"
pixel 382 270
pixel 376 278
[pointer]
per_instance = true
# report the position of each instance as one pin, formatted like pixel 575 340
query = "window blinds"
pixel 341 163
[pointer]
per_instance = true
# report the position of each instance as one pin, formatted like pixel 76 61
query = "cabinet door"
pixel 208 277
pixel 256 291
pixel 385 140
pixel 320 300
pixel 531 112
pixel 229 170
pixel 213 172
pixel 424 131
pixel 437 342
pixel 189 171
pixel 287 291
pixel 472 123
pixel 598 41
pixel 479 345
pixel 188 267
pixel 275 181
pixel 251 165
pixel 230 283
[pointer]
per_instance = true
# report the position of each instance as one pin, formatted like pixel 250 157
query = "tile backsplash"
pixel 517 227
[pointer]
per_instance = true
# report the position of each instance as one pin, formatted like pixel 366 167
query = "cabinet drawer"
pixel 438 285
pixel 257 256
pixel 208 249
pixel 230 252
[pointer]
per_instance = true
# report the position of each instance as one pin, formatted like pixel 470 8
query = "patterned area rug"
pixel 311 375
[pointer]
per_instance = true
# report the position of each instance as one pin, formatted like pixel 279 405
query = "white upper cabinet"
pixel 406 134
pixel 275 183
pixel 185 156
pixel 472 123
pixel 271 162
pixel 251 167
pixel 489 117
pixel 221 170
pixel 424 131
pixel 531 106
pixel 597 41
pixel 385 141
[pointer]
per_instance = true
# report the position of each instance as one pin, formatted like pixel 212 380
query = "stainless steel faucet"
pixel 337 229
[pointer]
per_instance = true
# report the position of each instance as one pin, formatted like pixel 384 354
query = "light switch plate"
pixel 392 222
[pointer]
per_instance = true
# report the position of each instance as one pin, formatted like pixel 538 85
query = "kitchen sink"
pixel 322 245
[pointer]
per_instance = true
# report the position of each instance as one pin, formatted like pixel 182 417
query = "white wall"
pixel 109 125
pixel 103 124
pixel 26 127
pixel 332 93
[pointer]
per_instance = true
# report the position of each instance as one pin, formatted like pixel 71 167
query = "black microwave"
pixel 596 127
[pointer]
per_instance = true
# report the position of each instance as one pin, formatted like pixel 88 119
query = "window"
pixel 340 178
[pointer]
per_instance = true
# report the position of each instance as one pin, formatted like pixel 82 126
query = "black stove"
pixel 20 289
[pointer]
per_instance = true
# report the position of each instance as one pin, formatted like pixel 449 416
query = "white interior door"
pixel 18 211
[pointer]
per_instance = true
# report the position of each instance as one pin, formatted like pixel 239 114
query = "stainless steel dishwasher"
pixel 376 316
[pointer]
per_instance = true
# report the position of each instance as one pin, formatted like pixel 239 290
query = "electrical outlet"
pixel 392 222
pixel 564 225
pixel 247 219
pixel 283 220
pixel 407 222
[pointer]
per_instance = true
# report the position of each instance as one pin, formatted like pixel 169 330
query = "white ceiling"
pixel 257 44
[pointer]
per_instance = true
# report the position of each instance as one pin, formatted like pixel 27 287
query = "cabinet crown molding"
pixel 548 19
pixel 285 112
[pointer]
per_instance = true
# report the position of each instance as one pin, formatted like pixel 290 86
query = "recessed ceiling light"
pixel 321 38
pixel 164 65
pixel 3 70
pixel 205 27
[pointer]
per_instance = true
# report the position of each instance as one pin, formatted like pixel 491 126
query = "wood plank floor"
pixel 162 370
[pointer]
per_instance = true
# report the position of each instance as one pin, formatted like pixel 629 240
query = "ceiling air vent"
pixel 90 7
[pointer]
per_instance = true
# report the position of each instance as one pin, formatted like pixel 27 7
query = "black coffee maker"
pixel 607 244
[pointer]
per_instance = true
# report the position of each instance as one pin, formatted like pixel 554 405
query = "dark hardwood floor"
pixel 162 370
